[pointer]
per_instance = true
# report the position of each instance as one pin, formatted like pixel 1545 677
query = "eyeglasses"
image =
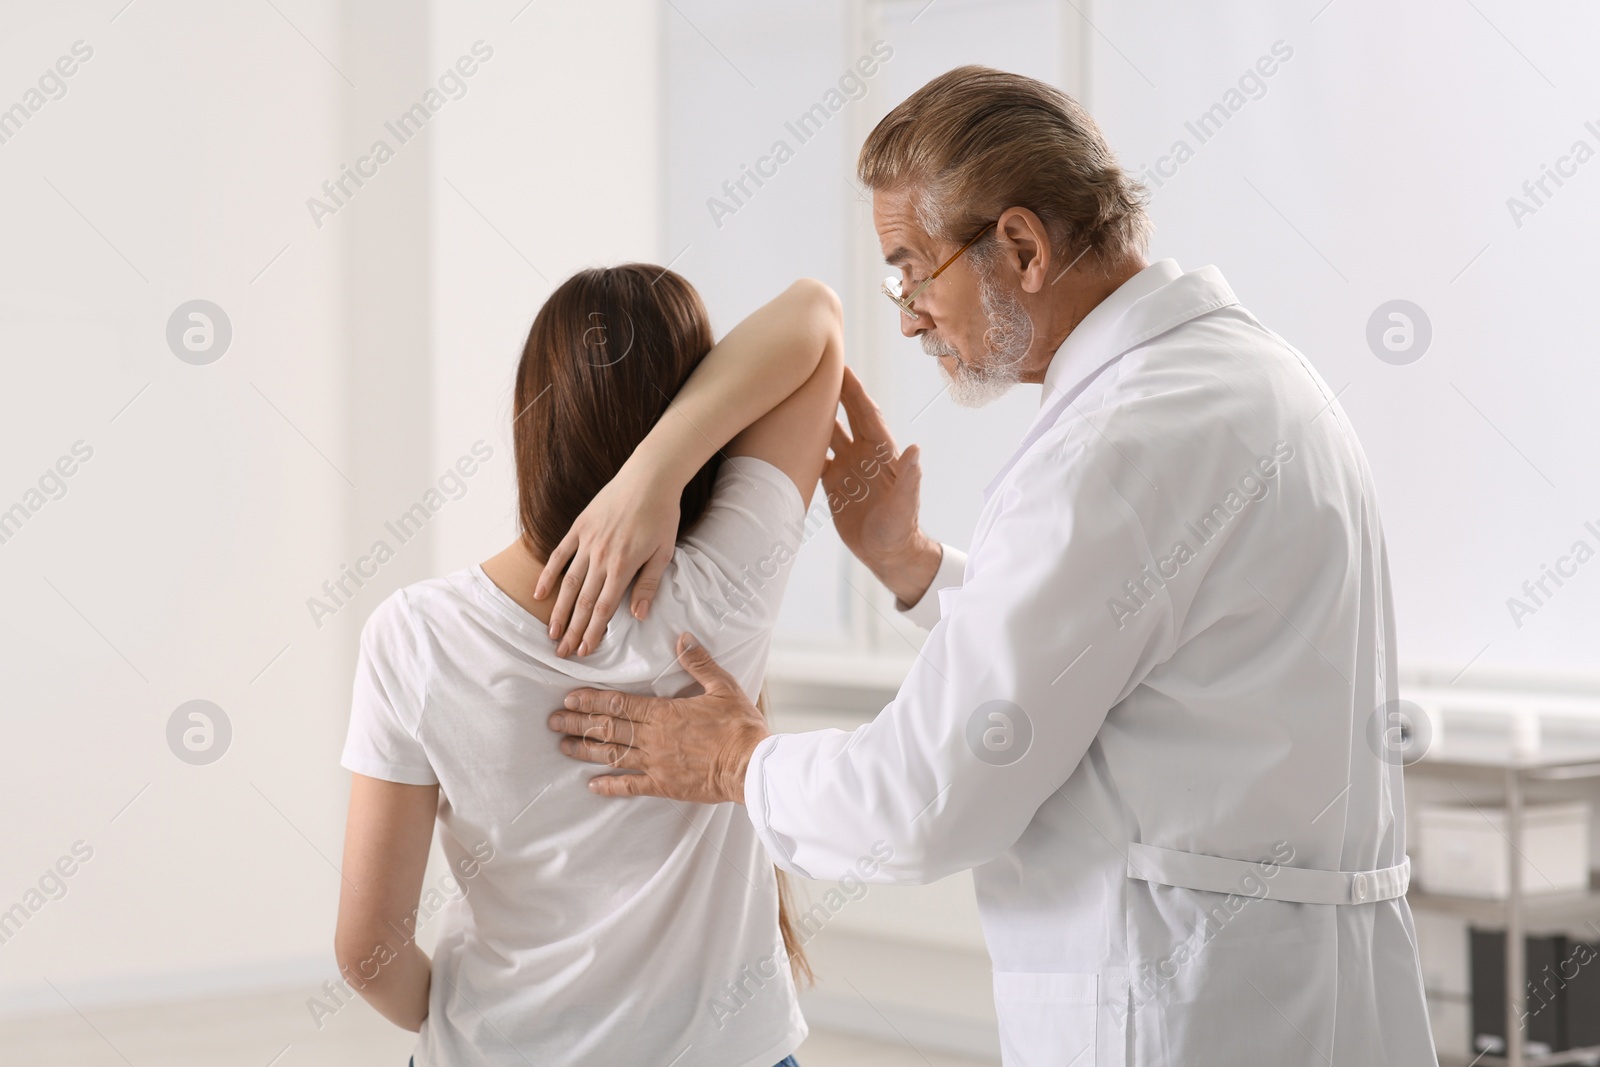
pixel 893 288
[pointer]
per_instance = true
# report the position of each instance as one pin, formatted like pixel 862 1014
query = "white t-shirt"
pixel 580 929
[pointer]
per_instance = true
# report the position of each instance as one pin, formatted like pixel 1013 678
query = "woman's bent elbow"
pixel 820 295
pixel 358 953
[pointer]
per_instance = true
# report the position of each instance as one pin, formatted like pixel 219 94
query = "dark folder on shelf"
pixel 1583 994
pixel 1545 1023
pixel 1562 993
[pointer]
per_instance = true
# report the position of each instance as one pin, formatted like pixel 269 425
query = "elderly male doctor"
pixel 1145 712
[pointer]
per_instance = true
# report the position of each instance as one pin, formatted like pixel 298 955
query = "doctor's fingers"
pixel 696 659
pixel 866 419
pixel 618 756
pixel 610 702
pixel 907 465
pixel 624 785
pixel 600 729
pixel 841 439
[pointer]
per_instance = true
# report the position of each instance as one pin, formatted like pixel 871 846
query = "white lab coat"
pixel 1145 716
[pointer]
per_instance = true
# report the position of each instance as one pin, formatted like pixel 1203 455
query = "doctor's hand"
pixel 875 493
pixel 687 748
pixel 629 528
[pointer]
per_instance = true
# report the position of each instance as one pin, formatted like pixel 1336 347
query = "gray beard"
pixel 1007 338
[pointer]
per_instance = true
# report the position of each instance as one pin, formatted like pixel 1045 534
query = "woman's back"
pixel 577 928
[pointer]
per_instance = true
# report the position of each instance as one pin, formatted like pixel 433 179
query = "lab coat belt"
pixel 1265 879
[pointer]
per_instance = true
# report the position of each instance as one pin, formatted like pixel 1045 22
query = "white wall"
pixel 1377 165
pixel 371 353
pixel 177 565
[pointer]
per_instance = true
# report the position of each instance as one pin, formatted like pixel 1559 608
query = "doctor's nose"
pixel 913 325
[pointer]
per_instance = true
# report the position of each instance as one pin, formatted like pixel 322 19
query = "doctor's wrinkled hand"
pixel 874 493
pixel 687 748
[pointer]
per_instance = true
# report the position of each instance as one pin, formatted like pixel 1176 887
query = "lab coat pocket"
pixel 1053 1019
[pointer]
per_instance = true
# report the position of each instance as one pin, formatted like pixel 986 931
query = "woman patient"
pixel 579 929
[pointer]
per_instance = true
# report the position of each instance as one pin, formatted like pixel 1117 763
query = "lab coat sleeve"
pixel 925 612
pixel 1005 698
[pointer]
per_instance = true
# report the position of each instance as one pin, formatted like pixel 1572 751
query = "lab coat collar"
pixel 1122 319
pixel 1157 299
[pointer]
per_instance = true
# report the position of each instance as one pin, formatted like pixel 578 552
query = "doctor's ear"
pixel 1025 247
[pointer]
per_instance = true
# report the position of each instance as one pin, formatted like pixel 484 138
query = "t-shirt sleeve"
pixel 730 569
pixel 388 699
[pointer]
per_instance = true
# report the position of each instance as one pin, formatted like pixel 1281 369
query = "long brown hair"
pixel 799 966
pixel 606 354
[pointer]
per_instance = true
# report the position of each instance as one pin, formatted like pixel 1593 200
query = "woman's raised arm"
pixel 777 365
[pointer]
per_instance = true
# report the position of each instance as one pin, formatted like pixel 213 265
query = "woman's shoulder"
pixel 754 506
pixel 729 571
pixel 401 617
pixel 754 476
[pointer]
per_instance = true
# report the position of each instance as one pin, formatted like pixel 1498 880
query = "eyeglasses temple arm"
pixel 959 252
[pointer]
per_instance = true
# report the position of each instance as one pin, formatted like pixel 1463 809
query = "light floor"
pixel 276 1030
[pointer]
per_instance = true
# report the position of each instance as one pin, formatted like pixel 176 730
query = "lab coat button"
pixel 1360 888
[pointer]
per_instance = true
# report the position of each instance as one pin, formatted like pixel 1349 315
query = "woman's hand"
pixel 629 528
